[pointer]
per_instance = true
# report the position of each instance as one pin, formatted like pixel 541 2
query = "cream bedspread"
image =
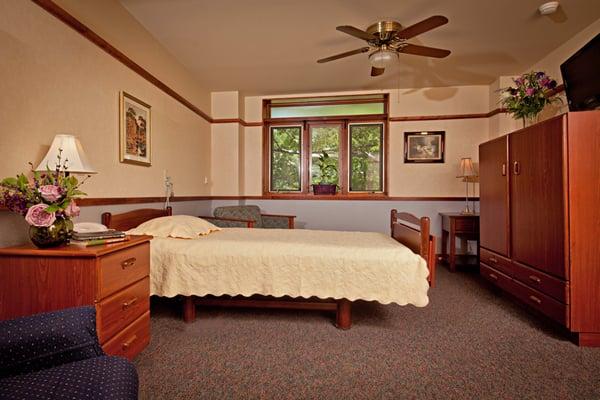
pixel 289 262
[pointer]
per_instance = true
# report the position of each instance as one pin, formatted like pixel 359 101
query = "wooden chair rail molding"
pixel 106 201
pixel 61 14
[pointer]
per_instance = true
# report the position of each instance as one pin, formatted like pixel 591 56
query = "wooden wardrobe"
pixel 540 219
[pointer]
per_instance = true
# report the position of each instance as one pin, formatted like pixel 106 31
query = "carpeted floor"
pixel 469 343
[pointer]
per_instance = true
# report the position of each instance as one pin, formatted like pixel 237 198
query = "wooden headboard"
pixel 131 219
pixel 415 234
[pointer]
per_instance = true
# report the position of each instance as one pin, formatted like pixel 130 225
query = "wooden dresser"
pixel 114 278
pixel 539 219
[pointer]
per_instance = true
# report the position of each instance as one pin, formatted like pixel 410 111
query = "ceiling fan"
pixel 388 39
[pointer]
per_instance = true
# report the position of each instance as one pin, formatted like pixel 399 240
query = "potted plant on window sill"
pixel 326 183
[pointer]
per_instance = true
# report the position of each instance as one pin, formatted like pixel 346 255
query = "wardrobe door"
pixel 537 197
pixel 493 195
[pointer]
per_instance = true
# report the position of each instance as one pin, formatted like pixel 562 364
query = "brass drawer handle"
pixel 493 259
pixel 535 279
pixel 126 345
pixel 503 169
pixel 533 298
pixel 129 303
pixel 494 277
pixel 128 263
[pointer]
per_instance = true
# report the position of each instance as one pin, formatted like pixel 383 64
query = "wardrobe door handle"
pixel 503 169
pixel 516 168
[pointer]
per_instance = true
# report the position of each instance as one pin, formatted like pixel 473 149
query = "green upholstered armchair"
pixel 249 217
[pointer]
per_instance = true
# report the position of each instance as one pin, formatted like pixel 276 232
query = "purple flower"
pixel 552 84
pixel 72 209
pixel 50 193
pixel 540 74
pixel 519 81
pixel 37 216
pixel 545 82
pixel 529 91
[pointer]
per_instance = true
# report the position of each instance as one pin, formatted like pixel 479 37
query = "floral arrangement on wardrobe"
pixel 528 97
pixel 46 198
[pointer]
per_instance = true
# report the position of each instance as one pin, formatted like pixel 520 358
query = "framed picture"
pixel 424 147
pixel 135 130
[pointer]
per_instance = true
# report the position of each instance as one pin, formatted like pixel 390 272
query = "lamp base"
pixel 467 212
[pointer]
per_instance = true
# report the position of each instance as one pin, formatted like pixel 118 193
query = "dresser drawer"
pixel 496 261
pixel 122 308
pixel 122 268
pixel 131 341
pixel 495 277
pixel 541 302
pixel 545 283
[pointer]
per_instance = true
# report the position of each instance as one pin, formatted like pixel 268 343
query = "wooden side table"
pixel 113 277
pixel 463 226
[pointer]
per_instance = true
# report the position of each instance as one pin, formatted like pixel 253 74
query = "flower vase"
pixel 530 120
pixel 54 235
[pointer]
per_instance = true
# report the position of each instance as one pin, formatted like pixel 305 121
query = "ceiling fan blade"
pixel 342 55
pixel 424 51
pixel 423 26
pixel 377 71
pixel 350 30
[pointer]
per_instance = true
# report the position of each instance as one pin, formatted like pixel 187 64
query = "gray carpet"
pixel 469 343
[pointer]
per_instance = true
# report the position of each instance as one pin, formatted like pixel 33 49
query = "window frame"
pixel 382 164
pixel 344 157
pixel 270 157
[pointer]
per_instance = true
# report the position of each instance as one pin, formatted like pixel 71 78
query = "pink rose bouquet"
pixel 43 199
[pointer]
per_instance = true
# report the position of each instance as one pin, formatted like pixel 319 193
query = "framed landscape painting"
pixel 424 147
pixel 135 131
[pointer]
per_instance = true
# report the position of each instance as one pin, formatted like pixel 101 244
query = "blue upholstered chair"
pixel 56 355
pixel 249 217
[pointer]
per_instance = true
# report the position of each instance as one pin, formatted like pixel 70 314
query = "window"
pixel 366 157
pixel 305 149
pixel 286 158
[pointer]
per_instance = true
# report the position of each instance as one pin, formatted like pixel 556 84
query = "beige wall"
pixel 54 80
pixel 462 138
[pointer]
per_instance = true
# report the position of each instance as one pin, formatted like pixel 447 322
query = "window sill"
pixel 339 196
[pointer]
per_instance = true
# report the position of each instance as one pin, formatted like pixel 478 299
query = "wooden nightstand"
pixel 464 226
pixel 113 277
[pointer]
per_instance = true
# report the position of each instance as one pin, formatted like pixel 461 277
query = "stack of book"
pixel 86 239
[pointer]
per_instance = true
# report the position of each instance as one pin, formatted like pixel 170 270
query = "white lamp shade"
pixel 383 58
pixel 466 168
pixel 72 155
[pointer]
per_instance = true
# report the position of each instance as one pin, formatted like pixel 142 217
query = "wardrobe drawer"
pixel 545 283
pixel 132 340
pixel 495 277
pixel 541 302
pixel 122 268
pixel 496 261
pixel 122 308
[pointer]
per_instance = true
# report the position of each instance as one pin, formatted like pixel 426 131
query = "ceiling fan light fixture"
pixel 383 58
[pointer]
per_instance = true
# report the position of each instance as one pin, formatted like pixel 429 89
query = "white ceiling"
pixel 271 46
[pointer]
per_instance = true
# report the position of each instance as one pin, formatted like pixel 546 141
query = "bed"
pixel 295 269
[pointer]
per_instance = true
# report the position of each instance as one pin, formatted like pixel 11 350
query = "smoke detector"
pixel 548 8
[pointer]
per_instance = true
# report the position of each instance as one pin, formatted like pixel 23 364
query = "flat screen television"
pixel 581 77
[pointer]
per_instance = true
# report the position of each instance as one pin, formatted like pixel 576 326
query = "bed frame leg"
pixel 189 309
pixel 343 317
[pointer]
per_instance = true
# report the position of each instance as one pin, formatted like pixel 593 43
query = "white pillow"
pixel 176 226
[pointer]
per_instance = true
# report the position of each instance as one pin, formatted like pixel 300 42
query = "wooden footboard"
pixel 414 233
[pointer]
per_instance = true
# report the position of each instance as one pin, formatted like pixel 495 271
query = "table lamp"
pixel 468 174
pixel 71 153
